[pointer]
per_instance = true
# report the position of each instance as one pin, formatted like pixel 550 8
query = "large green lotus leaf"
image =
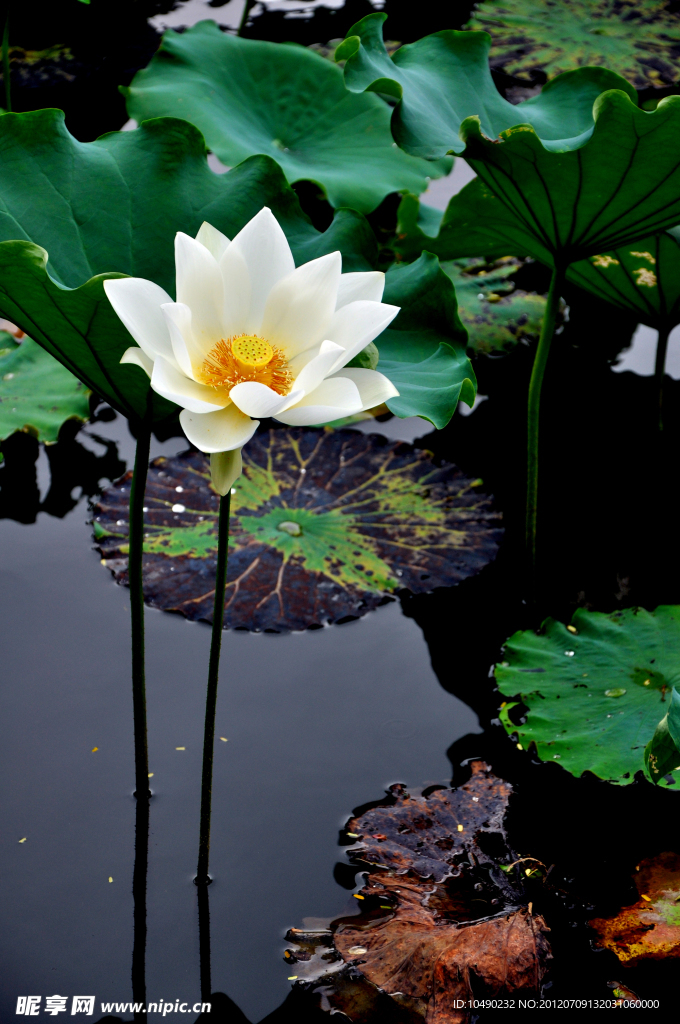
pixel 596 690
pixel 444 78
pixel 251 97
pixel 115 205
pixel 643 277
pixel 36 393
pixel 638 40
pixel 621 186
pixel 423 351
pixel 496 314
pixel 476 222
pixel 324 525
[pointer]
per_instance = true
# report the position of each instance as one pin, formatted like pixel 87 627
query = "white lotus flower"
pixel 251 336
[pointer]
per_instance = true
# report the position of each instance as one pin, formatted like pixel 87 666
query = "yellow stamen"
pixel 246 358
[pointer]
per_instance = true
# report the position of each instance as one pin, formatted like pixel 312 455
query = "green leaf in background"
pixel 638 40
pixel 285 101
pixel 662 753
pixel 36 393
pixel 114 205
pixel 424 349
pixel 496 314
pixel 595 690
pixel 444 78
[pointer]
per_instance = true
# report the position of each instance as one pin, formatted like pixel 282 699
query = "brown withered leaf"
pixel 650 928
pixel 436 966
pixel 426 835
pixel 325 525
pixel 440 923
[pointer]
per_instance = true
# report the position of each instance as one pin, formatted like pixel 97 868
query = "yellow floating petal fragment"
pixel 223 738
pixel 180 748
pixel 357 950
pixel 353 835
pixel 23 840
pixel 647 898
pixel 460 828
pixel 150 775
pixel 357 896
pixel 646 682
pixel 572 629
pixel 95 749
pixel 110 879
pixel 293 977
pixel 520 747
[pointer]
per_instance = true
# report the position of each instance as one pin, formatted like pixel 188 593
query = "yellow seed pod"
pixel 252 352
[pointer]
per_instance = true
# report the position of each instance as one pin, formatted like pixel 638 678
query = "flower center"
pixel 246 358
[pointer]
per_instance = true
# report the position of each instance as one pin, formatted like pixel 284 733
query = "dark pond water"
pixel 315 723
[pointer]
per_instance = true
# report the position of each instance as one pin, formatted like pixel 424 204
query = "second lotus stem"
pixel 533 413
pixel 202 873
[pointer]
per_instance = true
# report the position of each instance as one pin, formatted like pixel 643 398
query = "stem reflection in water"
pixel 142 793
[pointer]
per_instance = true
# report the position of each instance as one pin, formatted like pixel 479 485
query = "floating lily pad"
pixel 37 393
pixel 325 525
pixel 496 314
pixel 249 97
pixel 650 928
pixel 595 690
pixel 638 40
pixel 407 941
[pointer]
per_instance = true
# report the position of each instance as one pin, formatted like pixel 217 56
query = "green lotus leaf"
pixel 662 753
pixel 444 78
pixel 324 525
pixel 623 185
pixel 285 101
pixel 496 314
pixel 595 690
pixel 36 393
pixel 639 41
pixel 423 351
pixel 72 214
pixel 643 277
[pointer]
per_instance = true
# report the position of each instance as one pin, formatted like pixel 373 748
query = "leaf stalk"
pixel 533 413
pixel 660 369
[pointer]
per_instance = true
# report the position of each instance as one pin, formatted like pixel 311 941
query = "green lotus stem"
pixel 660 368
pixel 136 538
pixel 5 64
pixel 247 8
pixel 202 876
pixel 533 412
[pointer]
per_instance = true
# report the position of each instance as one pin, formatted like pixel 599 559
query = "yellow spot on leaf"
pixel 605 261
pixel 645 278
pixel 644 256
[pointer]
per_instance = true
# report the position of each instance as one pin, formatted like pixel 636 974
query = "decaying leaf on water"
pixel 325 525
pixel 440 923
pixel 650 928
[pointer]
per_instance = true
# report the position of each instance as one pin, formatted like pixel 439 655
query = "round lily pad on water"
pixel 325 525
pixel 595 690
pixel 639 40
